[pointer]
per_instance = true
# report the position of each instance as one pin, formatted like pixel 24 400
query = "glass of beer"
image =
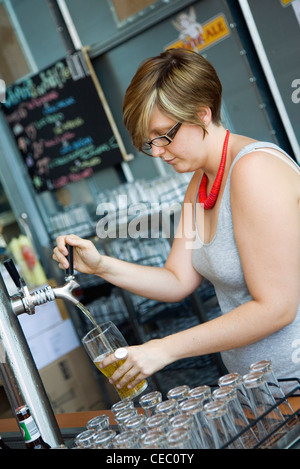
pixel 102 341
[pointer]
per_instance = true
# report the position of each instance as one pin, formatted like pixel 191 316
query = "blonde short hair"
pixel 180 83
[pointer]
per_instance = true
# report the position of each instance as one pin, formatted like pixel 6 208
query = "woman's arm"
pixel 265 207
pixel 171 283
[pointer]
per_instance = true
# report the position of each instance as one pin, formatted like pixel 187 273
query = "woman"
pixel 246 233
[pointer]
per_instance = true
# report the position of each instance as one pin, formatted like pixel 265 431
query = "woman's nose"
pixel 157 151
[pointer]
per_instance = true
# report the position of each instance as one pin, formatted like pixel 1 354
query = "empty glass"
pixel 86 439
pixel 266 367
pixel 124 404
pixel 179 393
pixel 124 415
pixel 194 407
pixel 170 407
pixel 158 422
pixel 149 401
pixel 136 423
pixel 154 439
pixel 104 439
pixel 229 394
pixel 126 440
pixel 221 426
pixel 261 402
pixel 187 421
pixel 201 392
pixel 236 380
pixel 180 438
pixel 98 423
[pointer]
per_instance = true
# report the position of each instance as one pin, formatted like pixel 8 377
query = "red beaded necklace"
pixel 209 202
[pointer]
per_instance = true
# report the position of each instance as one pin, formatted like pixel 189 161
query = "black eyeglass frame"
pixel 169 137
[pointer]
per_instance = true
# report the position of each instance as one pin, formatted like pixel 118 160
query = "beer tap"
pixel 65 292
pixel 25 301
pixel 18 371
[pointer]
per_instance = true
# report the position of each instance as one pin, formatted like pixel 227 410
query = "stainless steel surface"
pixel 21 380
pixel 65 292
pixel 27 301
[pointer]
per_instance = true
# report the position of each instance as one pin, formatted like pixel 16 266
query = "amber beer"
pixel 29 429
pixel 104 340
pixel 109 371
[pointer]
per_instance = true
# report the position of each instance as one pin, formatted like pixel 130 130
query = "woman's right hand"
pixel 86 257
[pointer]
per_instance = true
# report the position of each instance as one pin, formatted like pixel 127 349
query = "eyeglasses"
pixel 162 140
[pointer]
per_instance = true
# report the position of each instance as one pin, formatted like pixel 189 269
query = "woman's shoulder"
pixel 252 156
pixel 240 144
pixel 267 169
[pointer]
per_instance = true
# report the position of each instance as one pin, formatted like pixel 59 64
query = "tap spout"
pixel 65 292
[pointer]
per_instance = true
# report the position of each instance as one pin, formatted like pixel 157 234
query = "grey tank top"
pixel 220 263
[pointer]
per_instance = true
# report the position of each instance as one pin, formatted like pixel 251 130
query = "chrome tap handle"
pixel 12 270
pixel 25 302
pixel 70 270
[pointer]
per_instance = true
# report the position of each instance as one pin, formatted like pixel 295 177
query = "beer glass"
pixel 263 403
pixel 154 439
pixel 235 380
pixel 86 439
pixel 194 407
pixel 238 416
pixel 200 392
pixel 124 415
pixel 104 340
pixel 149 401
pixel 267 368
pixel 180 393
pixel 98 423
pixel 158 422
pixel 187 421
pixel 136 424
pixel 221 425
pixel 104 439
pixel 180 438
pixel 127 440
pixel 170 407
pixel 124 404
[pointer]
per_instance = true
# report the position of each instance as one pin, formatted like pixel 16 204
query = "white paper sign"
pixel 53 343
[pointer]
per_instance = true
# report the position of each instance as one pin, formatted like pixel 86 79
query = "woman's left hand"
pixel 142 361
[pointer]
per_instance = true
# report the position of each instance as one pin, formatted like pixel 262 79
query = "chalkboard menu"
pixel 62 124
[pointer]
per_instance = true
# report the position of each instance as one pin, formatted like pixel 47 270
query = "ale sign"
pixel 195 36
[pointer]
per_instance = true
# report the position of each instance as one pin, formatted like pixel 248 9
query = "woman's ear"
pixel 205 115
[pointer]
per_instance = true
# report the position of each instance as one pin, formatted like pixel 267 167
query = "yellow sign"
pixel 196 36
pixel 286 2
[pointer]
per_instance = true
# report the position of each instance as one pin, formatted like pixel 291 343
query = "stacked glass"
pixel 197 418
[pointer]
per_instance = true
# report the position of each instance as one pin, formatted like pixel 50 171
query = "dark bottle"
pixel 2 444
pixel 29 429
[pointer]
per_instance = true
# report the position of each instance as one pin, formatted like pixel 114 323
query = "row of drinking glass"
pixel 156 250
pixel 75 219
pixel 197 418
pixel 170 188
